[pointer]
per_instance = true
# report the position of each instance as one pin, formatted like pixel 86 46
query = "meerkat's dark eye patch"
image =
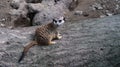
pixel 60 20
pixel 54 21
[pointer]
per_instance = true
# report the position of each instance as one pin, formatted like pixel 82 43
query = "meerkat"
pixel 44 35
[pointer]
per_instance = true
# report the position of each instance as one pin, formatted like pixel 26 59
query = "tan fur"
pixel 46 33
pixel 43 36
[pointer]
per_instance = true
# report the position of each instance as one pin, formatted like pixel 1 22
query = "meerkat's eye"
pixel 60 20
pixel 54 21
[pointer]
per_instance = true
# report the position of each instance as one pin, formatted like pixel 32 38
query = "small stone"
pixel 85 14
pixel 3 19
pixel 10 27
pixel 117 7
pixel 97 6
pixel 101 16
pixel 2 42
pixel 2 25
pixel 78 12
pixel 109 14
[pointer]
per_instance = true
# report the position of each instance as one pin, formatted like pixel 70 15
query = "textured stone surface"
pixel 89 8
pixel 35 12
pixel 19 14
pixel 89 43
pixel 48 13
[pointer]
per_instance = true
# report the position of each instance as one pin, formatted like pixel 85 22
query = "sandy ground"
pixel 89 43
pixel 4 12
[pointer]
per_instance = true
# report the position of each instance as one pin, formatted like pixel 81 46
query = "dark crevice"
pixel 56 1
pixel 73 5
pixel 31 16
pixel 33 1
pixel 14 6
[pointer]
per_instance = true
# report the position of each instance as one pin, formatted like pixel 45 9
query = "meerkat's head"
pixel 59 21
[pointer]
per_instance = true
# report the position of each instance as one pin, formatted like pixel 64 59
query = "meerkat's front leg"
pixel 59 36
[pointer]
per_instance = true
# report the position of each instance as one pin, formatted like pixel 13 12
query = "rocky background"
pixel 90 35
pixel 21 13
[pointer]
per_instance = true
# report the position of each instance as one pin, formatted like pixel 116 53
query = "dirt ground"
pixel 4 12
pixel 89 43
pixel 95 9
pixel 83 6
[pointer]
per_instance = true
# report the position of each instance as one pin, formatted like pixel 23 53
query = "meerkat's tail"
pixel 26 48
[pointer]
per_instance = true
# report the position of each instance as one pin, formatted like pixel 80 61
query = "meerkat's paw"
pixel 52 42
pixel 59 37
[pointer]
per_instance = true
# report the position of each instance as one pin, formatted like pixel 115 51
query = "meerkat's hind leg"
pixel 52 42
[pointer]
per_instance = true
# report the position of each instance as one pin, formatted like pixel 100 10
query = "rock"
pixel 109 14
pixel 21 21
pixel 73 5
pixel 36 12
pixel 85 14
pixel 3 20
pixel 2 25
pixel 16 3
pixel 19 16
pixel 35 7
pixel 102 16
pixel 117 7
pixel 110 5
pixel 97 6
pixel 49 13
pixel 88 43
pixel 78 12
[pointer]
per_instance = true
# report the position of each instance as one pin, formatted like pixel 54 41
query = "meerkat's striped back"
pixel 45 33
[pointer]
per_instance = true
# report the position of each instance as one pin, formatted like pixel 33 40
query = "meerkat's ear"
pixel 64 19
